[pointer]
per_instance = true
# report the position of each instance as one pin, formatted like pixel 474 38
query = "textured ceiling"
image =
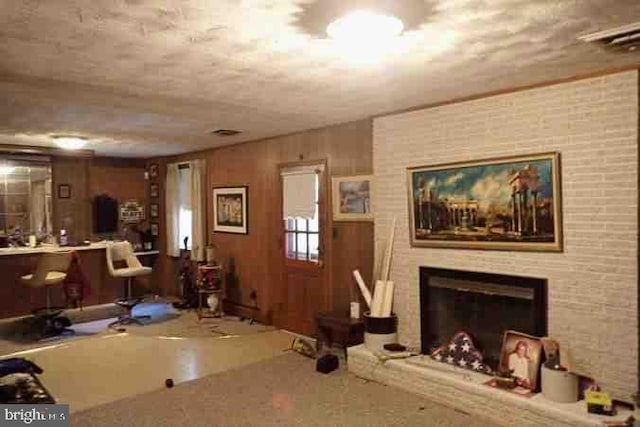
pixel 154 77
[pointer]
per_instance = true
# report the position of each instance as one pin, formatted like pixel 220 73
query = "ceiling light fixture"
pixel 6 169
pixel 70 142
pixel 365 27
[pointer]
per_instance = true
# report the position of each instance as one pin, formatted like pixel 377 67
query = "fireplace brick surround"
pixel 593 283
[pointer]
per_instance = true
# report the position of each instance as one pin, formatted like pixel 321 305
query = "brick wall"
pixel 593 284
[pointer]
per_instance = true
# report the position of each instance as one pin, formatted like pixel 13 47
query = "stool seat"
pixel 52 278
pixel 132 271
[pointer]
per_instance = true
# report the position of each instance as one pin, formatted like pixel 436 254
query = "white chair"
pixel 51 271
pixel 122 252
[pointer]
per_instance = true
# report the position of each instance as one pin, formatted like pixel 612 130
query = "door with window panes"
pixel 303 194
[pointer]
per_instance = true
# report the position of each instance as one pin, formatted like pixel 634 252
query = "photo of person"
pixel 521 355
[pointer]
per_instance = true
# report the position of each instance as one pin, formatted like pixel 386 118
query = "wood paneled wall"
pixel 122 179
pixel 256 259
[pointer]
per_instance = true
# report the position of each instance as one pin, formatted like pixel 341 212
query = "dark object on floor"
pixel 168 383
pixel 338 327
pixel 17 365
pixel 395 347
pixel 327 363
pixel 19 383
pixel 303 347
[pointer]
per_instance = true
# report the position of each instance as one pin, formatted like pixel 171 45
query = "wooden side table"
pixel 209 282
pixel 338 327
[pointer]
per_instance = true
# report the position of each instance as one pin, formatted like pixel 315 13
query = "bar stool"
pixel 123 252
pixel 50 271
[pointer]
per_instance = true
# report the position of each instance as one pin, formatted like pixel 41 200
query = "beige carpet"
pixel 282 391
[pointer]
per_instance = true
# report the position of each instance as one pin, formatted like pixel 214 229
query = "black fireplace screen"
pixel 481 304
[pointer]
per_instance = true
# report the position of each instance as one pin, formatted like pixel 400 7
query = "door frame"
pixel 324 236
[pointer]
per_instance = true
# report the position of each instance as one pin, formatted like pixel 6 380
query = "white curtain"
pixel 198 209
pixel 172 209
pixel 299 191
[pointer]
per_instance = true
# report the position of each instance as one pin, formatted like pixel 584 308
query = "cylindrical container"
pixel 210 255
pixel 32 241
pixel 559 386
pixel 379 331
pixel 355 310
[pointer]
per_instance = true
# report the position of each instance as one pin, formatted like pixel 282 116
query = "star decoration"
pixel 461 351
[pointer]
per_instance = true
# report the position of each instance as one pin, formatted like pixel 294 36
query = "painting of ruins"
pixel 506 204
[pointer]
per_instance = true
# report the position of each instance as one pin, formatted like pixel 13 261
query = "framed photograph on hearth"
pixel 230 210
pixel 509 203
pixel 521 354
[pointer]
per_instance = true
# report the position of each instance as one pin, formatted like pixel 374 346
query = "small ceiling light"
pixel 365 27
pixel 6 169
pixel 70 143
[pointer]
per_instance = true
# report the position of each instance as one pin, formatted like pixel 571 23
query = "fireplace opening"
pixel 482 304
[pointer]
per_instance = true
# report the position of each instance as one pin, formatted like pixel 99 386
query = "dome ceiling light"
pixel 365 27
pixel 70 142
pixel 328 18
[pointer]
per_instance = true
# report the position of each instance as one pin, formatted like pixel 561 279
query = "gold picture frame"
pixel 507 203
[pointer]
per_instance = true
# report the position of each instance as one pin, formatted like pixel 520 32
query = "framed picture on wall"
pixel 154 190
pixel 230 206
pixel 155 229
pixel 64 191
pixel 153 170
pixel 154 210
pixel 509 203
pixel 352 198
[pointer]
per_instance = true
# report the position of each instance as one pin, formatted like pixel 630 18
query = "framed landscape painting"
pixel 510 203
pixel 352 198
pixel 230 210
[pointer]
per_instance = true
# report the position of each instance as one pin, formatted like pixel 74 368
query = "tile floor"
pixel 103 366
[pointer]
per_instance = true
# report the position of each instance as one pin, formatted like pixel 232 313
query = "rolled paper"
pixel 387 302
pixel 363 288
pixel 388 251
pixel 378 297
pixel 355 310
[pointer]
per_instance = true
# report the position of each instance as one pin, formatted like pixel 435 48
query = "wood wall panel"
pixel 257 257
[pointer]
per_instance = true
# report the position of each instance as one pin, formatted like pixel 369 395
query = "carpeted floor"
pixel 283 391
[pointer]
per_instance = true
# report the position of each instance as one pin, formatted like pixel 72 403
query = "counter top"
pixel 48 249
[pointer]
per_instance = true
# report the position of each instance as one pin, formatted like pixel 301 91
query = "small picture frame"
pixel 352 198
pixel 153 170
pixel 64 191
pixel 155 229
pixel 154 190
pixel 154 210
pixel 521 354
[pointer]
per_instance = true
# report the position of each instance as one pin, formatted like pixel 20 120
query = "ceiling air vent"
pixel 225 132
pixel 619 39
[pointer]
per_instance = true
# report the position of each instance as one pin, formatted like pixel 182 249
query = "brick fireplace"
pixel 592 286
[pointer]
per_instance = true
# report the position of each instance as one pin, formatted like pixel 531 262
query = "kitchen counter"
pixel 17 299
pixel 51 248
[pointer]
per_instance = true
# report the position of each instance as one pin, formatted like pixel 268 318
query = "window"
pixel 185 212
pixel 301 215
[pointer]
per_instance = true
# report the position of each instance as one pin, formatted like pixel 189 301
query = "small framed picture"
pixel 352 198
pixel 155 229
pixel 154 210
pixel 153 170
pixel 521 354
pixel 64 191
pixel 230 210
pixel 154 190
